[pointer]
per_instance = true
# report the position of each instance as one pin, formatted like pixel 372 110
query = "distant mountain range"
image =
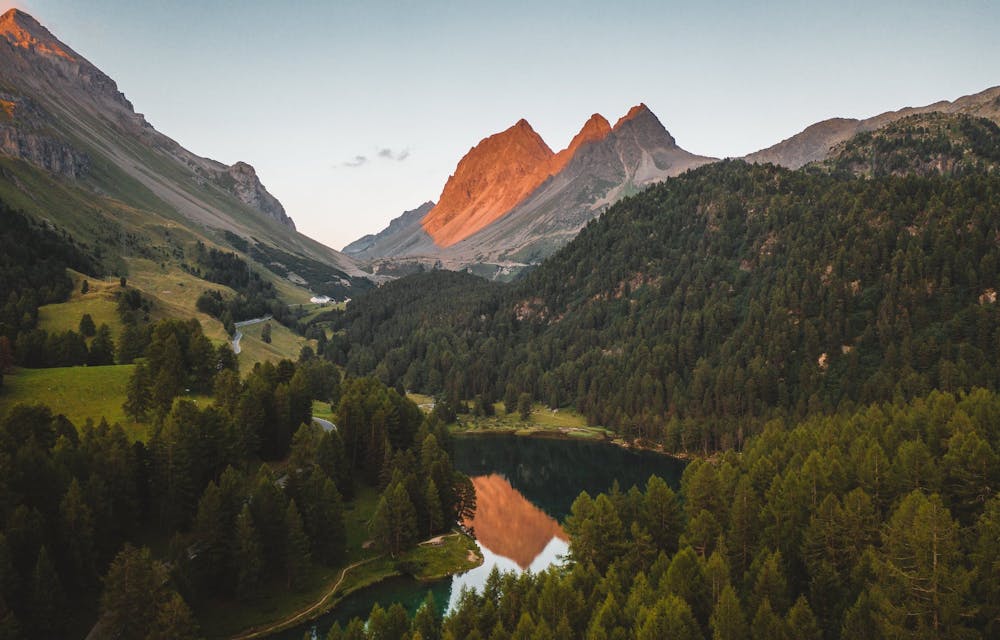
pixel 512 202
pixel 74 151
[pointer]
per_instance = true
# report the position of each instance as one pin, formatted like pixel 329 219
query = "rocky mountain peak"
pixel 21 30
pixel 644 123
pixel 595 129
pixel 492 177
pixel 246 186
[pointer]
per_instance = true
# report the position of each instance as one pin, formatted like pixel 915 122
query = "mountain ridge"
pixel 62 115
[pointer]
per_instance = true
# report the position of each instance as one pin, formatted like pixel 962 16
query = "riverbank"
pixel 429 561
pixel 556 424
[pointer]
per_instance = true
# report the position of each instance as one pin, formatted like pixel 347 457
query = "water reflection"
pixel 508 525
pixel 524 489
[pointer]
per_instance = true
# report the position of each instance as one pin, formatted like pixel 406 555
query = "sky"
pixel 353 112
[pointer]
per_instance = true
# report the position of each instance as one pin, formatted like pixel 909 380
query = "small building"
pixel 320 299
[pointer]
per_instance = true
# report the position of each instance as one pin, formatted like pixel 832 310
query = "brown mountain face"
pixel 512 202
pixel 65 128
pixel 494 176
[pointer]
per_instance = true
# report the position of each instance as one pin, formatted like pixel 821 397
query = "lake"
pixel 524 490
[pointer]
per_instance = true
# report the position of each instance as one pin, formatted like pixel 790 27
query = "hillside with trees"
pixel 695 311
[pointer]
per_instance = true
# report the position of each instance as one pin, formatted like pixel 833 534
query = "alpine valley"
pixel 615 391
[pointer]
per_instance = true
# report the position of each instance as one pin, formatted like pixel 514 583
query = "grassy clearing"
pixel 322 410
pixel 454 553
pixel 174 293
pixel 99 302
pixel 284 344
pixel 426 403
pixel 76 392
pixel 542 422
pixel 79 393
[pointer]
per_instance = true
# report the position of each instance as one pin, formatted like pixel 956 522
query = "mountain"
pixel 700 308
pixel 512 201
pixel 397 226
pixel 74 151
pixel 925 144
pixel 815 142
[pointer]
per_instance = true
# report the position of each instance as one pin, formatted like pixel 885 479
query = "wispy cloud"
pixel 355 162
pixel 381 153
pixel 389 154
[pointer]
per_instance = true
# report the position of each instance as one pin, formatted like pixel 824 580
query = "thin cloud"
pixel 382 153
pixel 389 154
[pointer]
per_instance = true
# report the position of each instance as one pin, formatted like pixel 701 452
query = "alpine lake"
pixel 525 487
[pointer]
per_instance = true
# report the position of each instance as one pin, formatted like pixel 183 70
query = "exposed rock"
pixel 249 190
pixel 44 152
pixel 493 176
pixel 24 135
pixel 512 202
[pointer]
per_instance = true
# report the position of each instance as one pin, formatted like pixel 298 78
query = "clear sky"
pixel 353 112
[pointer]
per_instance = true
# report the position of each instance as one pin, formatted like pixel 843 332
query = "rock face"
pixel 73 110
pixel 249 190
pixel 816 142
pixel 22 136
pixel 512 201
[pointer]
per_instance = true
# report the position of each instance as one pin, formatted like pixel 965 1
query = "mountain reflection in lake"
pixel 508 525
pixel 524 490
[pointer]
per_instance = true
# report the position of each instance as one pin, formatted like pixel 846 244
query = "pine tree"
pixel 297 556
pixel 394 524
pixel 46 599
pixel 801 622
pixel 247 556
pixel 767 625
pixel 662 515
pixel 435 519
pixel 427 620
pixel 102 348
pixel 728 621
pixel 133 590
pixel 78 535
pixel 87 326
pixel 174 620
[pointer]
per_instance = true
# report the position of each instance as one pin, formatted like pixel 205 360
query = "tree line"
pixel 878 523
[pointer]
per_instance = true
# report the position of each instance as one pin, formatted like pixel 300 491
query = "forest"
pixel 696 311
pixel 245 492
pixel 878 523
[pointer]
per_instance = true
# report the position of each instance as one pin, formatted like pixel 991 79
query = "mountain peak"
pixel 595 129
pixel 22 30
pixel 639 110
pixel 492 177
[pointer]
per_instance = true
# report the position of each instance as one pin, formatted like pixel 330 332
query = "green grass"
pixel 284 344
pixel 542 422
pixel 76 392
pixel 322 410
pixel 79 393
pixel 454 554
pixel 99 302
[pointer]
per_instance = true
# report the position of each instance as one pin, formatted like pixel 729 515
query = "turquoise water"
pixel 528 481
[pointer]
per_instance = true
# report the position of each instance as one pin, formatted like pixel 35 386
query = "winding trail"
pixel 305 613
pixel 239 334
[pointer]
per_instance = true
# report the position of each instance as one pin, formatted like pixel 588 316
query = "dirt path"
pixel 305 613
